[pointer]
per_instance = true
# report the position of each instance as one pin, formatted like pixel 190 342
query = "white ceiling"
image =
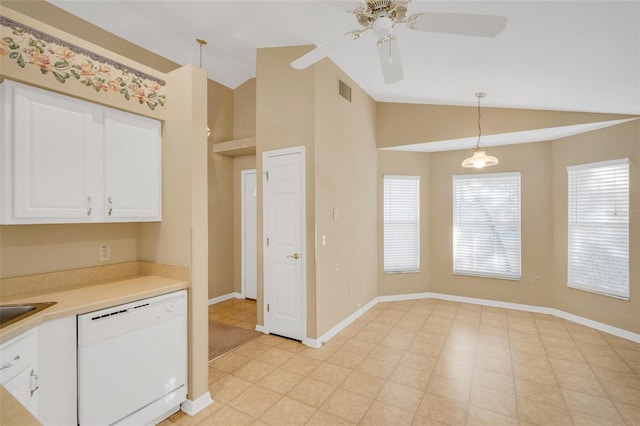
pixel 561 55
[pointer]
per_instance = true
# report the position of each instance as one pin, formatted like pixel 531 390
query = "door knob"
pixel 294 256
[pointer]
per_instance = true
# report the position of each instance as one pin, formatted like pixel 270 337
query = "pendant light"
pixel 479 159
pixel 202 42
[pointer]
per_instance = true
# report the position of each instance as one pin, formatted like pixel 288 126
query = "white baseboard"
pixel 261 329
pixel 625 334
pixel 226 297
pixel 194 407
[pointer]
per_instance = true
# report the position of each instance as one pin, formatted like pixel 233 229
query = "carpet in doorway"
pixel 224 337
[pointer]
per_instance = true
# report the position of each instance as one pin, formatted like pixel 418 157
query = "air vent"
pixel 344 90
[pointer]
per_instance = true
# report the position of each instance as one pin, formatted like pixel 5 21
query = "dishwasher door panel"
pixel 130 360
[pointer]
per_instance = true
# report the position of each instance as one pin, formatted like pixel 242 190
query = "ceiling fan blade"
pixel 322 51
pixel 390 61
pixel 460 23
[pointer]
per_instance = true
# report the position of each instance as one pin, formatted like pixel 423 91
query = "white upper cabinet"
pixel 131 166
pixel 69 161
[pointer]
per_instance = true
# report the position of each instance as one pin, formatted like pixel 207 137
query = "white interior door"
pixel 284 257
pixel 249 235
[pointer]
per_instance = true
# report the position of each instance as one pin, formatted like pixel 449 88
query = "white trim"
pixel 243 226
pixel 598 164
pixel 619 332
pixel 262 329
pixel 343 324
pixel 194 407
pixel 226 297
pixel 303 235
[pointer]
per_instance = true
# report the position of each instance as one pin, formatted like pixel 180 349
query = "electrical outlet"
pixel 536 280
pixel 105 253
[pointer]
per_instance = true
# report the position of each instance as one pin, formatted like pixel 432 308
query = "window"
pixel 486 225
pixel 598 258
pixel 401 224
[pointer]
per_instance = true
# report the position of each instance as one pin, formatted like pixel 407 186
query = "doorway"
pixel 249 257
pixel 284 242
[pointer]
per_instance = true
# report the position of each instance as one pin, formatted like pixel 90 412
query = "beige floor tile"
pixel 479 416
pixel 227 416
pixel 331 374
pixel 493 381
pixel 394 342
pixel 426 349
pixel 565 354
pixel 253 349
pixel 358 347
pixel 497 402
pixel 400 396
pixel 619 393
pixel 449 366
pixel 616 376
pixel 613 362
pixel 591 405
pixel 390 355
pixel 291 345
pixel 227 388
pixel 410 377
pixel 368 336
pixel 253 371
pixel 301 365
pixel 570 367
pixel 458 355
pixel 269 339
pixel 376 367
pixel 345 359
pixel 347 405
pixel 430 338
pixel 581 384
pixel 493 340
pixel 503 354
pixel 493 365
pixel 540 392
pixel 280 380
pixel 320 354
pixel 288 412
pixel 449 388
pixel 311 392
pixel 410 324
pixel 255 400
pixel 275 357
pixel 230 362
pixel 425 421
pixel 630 413
pixel 418 362
pixel 541 413
pixel 444 410
pixel 581 419
pixel 322 418
pixel 363 384
pixel 387 415
pixel 215 374
pixel 559 342
pixel 540 375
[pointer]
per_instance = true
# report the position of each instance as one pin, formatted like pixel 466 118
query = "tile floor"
pixel 428 362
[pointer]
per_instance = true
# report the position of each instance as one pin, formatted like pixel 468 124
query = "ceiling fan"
pixel 381 16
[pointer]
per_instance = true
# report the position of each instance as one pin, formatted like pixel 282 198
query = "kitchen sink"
pixel 11 313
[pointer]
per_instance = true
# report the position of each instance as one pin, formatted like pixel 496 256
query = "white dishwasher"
pixel 132 361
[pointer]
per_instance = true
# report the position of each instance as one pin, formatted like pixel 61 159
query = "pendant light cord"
pixel 479 96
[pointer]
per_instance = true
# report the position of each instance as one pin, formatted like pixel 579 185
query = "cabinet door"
pixel 132 168
pixel 53 143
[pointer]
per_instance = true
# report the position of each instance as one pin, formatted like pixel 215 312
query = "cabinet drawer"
pixel 17 355
pixel 21 388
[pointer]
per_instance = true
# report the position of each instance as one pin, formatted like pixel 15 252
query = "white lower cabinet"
pixel 19 369
pixel 57 403
pixel 39 370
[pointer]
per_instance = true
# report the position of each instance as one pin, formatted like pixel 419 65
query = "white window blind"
pixel 598 258
pixel 401 223
pixel 486 225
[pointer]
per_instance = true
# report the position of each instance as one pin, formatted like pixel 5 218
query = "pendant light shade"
pixel 479 159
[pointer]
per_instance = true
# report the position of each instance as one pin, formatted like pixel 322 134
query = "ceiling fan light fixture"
pixel 479 159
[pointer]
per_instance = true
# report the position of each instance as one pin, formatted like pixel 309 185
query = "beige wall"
pixel 285 117
pixel 403 124
pixel 534 163
pixel 621 141
pixel 413 164
pixel 345 180
pixel 220 175
pixel 244 110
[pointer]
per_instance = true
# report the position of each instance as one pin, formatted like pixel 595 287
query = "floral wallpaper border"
pixel 64 61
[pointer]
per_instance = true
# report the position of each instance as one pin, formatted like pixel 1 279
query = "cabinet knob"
pixel 10 363
pixel 89 205
pixel 34 382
